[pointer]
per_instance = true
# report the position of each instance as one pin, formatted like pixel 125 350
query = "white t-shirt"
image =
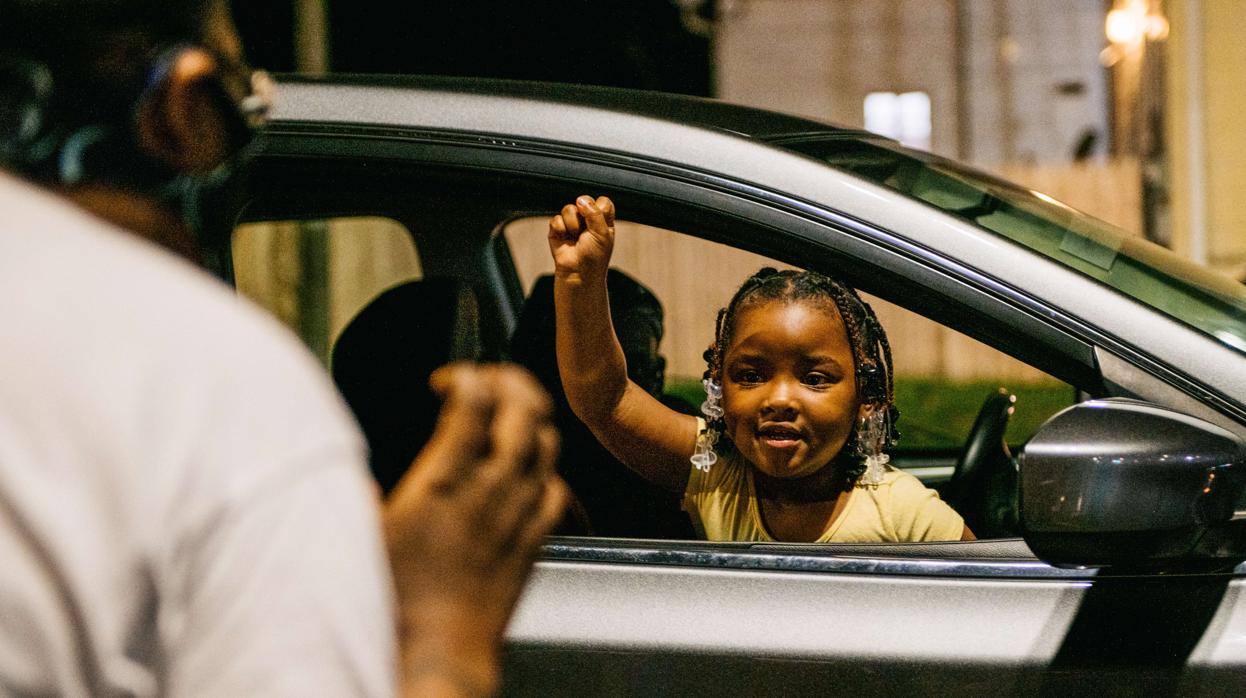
pixel 184 505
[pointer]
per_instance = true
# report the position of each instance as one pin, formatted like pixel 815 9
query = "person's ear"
pixel 183 121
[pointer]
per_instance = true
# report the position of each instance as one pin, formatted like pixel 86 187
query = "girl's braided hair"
pixel 871 352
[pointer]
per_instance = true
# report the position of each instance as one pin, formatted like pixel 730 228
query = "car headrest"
pixel 634 310
pixel 383 358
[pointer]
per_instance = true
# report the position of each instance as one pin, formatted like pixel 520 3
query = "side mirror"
pixel 1125 483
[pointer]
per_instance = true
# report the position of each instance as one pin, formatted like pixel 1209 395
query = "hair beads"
pixel 704 456
pixel 872 435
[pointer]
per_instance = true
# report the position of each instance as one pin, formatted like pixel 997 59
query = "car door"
pixel 616 617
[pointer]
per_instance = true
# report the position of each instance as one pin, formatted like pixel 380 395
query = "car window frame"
pixel 821 235
pixel 812 237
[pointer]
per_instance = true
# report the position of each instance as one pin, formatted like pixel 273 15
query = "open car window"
pixel 496 246
pixel 940 371
pixel 943 378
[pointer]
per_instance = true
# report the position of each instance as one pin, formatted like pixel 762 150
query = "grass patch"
pixel 689 389
pixel 937 413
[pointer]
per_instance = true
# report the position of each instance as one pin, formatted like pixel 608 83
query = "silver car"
pixel 1117 569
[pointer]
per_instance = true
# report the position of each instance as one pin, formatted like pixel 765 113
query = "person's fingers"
pixel 525 538
pixel 548 513
pixel 523 411
pixel 607 209
pixel 549 443
pixel 559 239
pixel 460 436
pixel 445 377
pixel 519 385
pixel 557 229
pixel 513 433
pixel 524 455
pixel 516 489
pixel 593 217
pixel 553 504
pixel 506 511
pixel 573 222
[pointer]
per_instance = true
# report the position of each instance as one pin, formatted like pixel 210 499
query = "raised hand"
pixel 463 527
pixel 581 237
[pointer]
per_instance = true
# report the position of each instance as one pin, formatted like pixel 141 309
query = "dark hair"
pixel 871 352
pixel 70 64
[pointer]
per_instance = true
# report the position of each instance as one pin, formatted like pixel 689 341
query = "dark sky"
pixel 625 43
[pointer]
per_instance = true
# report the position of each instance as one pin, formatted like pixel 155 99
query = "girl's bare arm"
pixel 646 435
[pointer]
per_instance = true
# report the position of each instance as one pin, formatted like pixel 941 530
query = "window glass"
pixel 315 275
pixel 1207 301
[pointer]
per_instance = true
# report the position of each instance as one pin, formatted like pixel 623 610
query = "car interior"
pixel 382 360
pixel 387 271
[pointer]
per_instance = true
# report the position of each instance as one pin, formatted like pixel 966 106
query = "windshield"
pixel 1152 274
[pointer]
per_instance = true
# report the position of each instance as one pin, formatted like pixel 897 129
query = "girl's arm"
pixel 644 434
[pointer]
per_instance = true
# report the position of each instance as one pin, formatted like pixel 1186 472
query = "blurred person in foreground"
pixel 184 503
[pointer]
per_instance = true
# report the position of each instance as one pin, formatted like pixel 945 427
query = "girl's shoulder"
pixel 914 511
pixel 894 480
pixel 899 492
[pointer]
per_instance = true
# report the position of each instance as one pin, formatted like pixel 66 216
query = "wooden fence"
pixel 1110 191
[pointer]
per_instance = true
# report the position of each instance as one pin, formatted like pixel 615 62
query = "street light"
pixel 1128 25
pixel 1132 21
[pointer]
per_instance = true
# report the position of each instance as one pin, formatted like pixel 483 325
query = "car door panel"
pixel 618 629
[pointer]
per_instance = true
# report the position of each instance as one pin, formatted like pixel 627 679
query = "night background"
pixel 631 43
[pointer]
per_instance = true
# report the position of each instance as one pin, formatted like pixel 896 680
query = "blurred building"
pixel 1204 132
pixel 1129 109
pixel 990 81
pixel 1012 86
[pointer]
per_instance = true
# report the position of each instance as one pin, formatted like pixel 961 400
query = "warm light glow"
pixel 1132 21
pixel 1125 26
pixel 1156 27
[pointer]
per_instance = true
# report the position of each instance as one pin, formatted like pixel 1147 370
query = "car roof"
pixel 747 150
pixel 703 112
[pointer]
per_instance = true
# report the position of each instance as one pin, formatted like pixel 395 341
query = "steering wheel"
pixel 982 488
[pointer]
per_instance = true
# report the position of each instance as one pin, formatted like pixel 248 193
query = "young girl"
pixel 799 405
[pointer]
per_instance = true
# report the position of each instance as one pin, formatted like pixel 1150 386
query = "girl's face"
pixel 789 387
